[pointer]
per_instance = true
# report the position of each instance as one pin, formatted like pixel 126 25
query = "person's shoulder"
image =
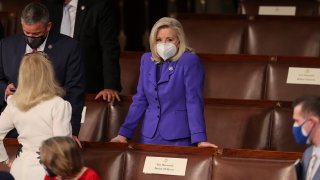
pixel 10 100
pixel 12 39
pixel 308 150
pixel 146 55
pixel 189 58
pixel 59 101
pixel 63 39
pixel 90 174
pixel 99 3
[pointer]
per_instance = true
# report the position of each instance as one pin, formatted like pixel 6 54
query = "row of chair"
pixel 302 8
pixel 126 161
pixel 245 124
pixel 237 76
pixel 255 35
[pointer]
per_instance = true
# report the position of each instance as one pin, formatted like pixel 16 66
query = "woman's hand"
pixel 206 144
pixel 119 139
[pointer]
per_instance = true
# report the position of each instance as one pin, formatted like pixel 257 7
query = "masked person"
pixel 306 129
pixel 61 158
pixel 63 51
pixel 169 93
pixel 37 111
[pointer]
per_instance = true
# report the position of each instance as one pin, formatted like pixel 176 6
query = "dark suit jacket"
pixel 97 32
pixel 65 54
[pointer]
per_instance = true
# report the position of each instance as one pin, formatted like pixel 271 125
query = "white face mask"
pixel 166 50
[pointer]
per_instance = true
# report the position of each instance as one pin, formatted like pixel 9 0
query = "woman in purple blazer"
pixel 169 93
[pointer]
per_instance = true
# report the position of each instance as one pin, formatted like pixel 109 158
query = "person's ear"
pixel 49 26
pixel 314 120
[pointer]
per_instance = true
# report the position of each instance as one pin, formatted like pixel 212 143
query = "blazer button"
pixel 156 99
pixel 158 107
pixel 156 89
pixel 158 116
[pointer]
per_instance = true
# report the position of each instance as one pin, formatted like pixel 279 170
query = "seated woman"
pixel 169 94
pixel 37 111
pixel 62 159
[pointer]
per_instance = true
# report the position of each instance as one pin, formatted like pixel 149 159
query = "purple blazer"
pixel 174 104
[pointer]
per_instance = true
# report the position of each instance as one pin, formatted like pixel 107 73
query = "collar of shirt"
pixel 74 3
pixel 40 48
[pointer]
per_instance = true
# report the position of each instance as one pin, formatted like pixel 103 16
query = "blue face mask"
pixel 299 136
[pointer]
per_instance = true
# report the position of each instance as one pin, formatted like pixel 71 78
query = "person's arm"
pixel 108 36
pixel 3 79
pixel 6 124
pixel 194 80
pixel 61 119
pixel 138 106
pixel 75 87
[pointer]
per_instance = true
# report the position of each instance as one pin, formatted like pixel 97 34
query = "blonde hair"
pixel 168 22
pixel 36 81
pixel 62 156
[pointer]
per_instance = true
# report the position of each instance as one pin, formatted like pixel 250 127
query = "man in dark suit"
pixel 92 22
pixel 63 51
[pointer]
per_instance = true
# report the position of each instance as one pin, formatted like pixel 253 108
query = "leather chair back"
pixel 234 78
pixel 285 36
pixel 238 125
pixel 278 89
pixel 216 35
pixel 230 168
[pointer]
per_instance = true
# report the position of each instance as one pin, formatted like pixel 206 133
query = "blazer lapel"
pixel 50 43
pixel 317 174
pixel 81 11
pixel 167 70
pixel 152 74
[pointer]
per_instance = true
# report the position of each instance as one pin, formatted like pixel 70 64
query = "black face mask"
pixel 35 42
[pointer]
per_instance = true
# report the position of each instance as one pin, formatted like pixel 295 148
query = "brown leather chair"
pixel 95 126
pixel 281 138
pixel 230 168
pixel 198 166
pixel 106 159
pixel 130 71
pixel 118 113
pixel 215 34
pixel 234 76
pixel 276 86
pixel 238 124
pixel 303 8
pixel 285 36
